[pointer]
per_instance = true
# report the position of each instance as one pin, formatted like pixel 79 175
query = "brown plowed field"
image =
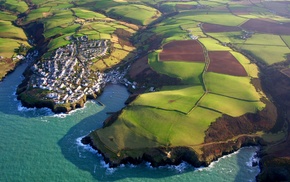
pixel 264 26
pixel 224 62
pixel 214 28
pixel 182 50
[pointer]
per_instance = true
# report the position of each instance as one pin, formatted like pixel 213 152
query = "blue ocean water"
pixel 37 145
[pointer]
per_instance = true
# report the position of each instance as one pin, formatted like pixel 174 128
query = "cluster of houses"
pixel 67 75
pixel 246 35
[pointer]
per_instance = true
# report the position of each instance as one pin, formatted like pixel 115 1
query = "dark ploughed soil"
pixel 265 26
pixel 183 50
pixel 214 28
pixel 224 62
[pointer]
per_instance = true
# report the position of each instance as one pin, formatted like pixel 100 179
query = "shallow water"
pixel 37 145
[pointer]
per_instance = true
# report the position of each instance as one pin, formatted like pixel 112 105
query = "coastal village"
pixel 67 74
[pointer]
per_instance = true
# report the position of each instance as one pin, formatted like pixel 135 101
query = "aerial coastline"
pixel 193 69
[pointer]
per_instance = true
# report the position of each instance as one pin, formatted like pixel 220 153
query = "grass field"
pixel 11 38
pixel 38 14
pixel 230 106
pixel 138 14
pixel 215 17
pixel 179 98
pixel 86 14
pixel 58 42
pixel 5 16
pixel 71 29
pixel 265 39
pixel 142 127
pixel 189 73
pixel 8 46
pixel 228 37
pixel 231 86
pixel 266 53
pixel 251 68
pixel 8 30
pixel 14 6
pixel 61 18
pixel 213 45
pixel 286 39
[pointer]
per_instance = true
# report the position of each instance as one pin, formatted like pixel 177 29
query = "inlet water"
pixel 37 145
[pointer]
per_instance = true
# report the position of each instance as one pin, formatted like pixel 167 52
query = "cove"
pixel 37 145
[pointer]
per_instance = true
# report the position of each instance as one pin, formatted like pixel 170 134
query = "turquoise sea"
pixel 37 145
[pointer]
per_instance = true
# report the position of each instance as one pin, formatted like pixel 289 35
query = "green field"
pixel 267 53
pixel 265 39
pixel 250 68
pixel 15 6
pixel 215 17
pixel 5 16
pixel 142 127
pixel 8 30
pixel 230 106
pixel 38 14
pixel 228 37
pixel 286 39
pixel 86 14
pixel 58 42
pixel 11 38
pixel 231 86
pixel 71 29
pixel 138 14
pixel 8 46
pixel 189 73
pixel 61 18
pixel 176 98
pixel 213 45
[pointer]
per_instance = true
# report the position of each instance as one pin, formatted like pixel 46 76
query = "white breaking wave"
pixel 178 168
pixel 103 164
pixel 109 170
pixel 212 164
pixel 86 147
pixel 36 111
pixel 64 115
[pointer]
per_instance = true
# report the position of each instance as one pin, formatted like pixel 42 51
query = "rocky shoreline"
pixel 240 134
pixel 57 108
pixel 160 156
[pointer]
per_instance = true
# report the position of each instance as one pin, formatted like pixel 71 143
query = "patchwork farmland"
pixel 188 67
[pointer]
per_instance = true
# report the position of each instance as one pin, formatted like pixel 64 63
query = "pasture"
pixel 230 106
pixel 188 72
pixel 135 13
pixel 174 98
pixel 231 86
pixel 267 53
